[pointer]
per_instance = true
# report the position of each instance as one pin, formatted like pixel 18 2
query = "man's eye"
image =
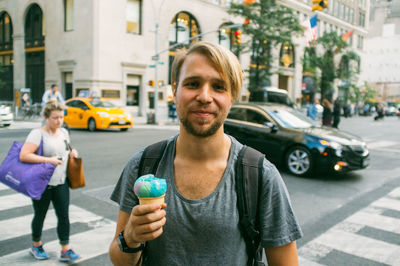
pixel 219 87
pixel 192 84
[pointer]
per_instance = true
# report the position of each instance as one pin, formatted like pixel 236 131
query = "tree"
pixel 267 25
pixel 331 45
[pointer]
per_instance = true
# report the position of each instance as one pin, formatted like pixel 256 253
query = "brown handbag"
pixel 75 173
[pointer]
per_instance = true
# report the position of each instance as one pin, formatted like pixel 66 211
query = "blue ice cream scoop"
pixel 149 186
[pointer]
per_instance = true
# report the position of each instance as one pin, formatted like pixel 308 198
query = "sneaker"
pixel 69 256
pixel 39 253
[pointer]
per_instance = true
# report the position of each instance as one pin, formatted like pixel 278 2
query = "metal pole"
pixel 156 78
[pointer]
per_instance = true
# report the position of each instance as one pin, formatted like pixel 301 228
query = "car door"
pixel 71 116
pixel 82 114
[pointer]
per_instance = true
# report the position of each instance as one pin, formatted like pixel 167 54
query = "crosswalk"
pixel 90 243
pixel 358 236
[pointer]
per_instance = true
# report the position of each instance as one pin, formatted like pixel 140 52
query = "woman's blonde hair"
pixel 51 106
pixel 224 61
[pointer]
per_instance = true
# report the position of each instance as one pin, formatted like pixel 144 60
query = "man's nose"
pixel 205 93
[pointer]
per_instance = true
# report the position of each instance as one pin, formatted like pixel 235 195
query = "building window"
pixel 134 16
pixel 361 19
pixel 360 42
pixel 287 55
pixel 336 9
pixel 6 58
pixel 34 27
pixel 68 15
pixel 351 15
pixel 230 38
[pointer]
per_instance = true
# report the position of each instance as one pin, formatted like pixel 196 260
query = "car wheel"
pixel 92 125
pixel 124 129
pixel 299 161
pixel 6 125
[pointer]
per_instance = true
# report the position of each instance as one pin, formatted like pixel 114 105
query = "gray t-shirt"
pixel 206 231
pixel 53 146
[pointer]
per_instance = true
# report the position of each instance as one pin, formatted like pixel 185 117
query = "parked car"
pixel 289 138
pixel 271 95
pixel 95 114
pixel 6 115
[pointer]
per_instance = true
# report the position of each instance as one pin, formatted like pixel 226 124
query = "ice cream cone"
pixel 154 200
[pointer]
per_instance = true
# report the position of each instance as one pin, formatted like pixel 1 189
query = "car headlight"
pixel 103 114
pixel 334 145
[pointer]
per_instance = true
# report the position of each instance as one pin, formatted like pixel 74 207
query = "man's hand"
pixel 145 223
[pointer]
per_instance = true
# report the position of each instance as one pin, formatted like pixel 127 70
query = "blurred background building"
pixel 107 48
pixel 382 61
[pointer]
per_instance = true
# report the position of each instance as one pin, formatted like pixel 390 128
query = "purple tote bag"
pixel 29 179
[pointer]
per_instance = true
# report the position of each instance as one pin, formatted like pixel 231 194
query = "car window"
pixel 290 118
pixel 71 103
pixel 237 113
pixel 97 103
pixel 82 105
pixel 255 117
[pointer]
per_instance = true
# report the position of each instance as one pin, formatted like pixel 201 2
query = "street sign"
pixel 152 66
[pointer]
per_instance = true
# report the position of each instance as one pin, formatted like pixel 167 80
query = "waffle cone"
pixel 155 200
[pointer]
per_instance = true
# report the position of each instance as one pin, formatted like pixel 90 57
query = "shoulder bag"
pixel 76 177
pixel 30 179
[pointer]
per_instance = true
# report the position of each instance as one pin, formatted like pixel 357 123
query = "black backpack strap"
pixel 151 158
pixel 249 168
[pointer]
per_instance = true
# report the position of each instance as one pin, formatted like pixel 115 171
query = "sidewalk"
pixel 138 122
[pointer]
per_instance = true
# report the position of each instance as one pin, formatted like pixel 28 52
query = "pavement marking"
pixel 387 203
pixel 343 236
pixel 3 187
pixel 381 222
pixel 22 225
pixel 88 244
pixel 382 144
pixel 14 201
pixel 361 246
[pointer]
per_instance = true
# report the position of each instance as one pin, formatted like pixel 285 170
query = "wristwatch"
pixel 124 247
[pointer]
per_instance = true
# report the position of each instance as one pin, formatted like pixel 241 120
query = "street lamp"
pixel 156 57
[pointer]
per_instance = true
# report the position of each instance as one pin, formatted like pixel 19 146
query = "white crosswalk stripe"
pixel 89 244
pixel 344 236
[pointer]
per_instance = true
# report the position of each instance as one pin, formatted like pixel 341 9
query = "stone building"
pixel 108 48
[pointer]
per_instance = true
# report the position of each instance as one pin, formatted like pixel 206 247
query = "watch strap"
pixel 125 248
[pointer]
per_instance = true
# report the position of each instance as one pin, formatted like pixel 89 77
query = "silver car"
pixel 6 116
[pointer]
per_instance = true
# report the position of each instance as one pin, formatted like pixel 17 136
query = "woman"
pixel 55 151
pixel 327 113
pixel 336 113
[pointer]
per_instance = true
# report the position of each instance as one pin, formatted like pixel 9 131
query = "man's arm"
pixel 45 98
pixel 282 256
pixel 144 223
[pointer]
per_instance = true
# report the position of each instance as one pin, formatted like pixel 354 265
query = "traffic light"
pixel 151 83
pixel 319 5
pixel 238 35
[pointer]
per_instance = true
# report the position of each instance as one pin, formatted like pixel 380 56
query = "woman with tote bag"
pixel 56 152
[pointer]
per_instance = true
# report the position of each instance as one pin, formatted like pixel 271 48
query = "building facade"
pixel 108 48
pixel 382 62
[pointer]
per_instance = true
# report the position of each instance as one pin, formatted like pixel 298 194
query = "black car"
pixel 288 137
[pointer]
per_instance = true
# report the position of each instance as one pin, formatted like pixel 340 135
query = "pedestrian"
pixel 312 111
pixel 327 113
pixel 51 94
pixel 199 224
pixel 55 151
pixel 336 114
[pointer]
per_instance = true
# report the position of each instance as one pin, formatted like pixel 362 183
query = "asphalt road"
pixel 320 202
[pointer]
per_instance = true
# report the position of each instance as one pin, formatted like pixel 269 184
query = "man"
pixel 53 93
pixel 200 226
pixel 312 110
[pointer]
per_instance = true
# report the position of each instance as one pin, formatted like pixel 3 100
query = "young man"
pixel 199 224
pixel 53 93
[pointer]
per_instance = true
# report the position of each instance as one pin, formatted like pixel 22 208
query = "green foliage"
pixel 269 25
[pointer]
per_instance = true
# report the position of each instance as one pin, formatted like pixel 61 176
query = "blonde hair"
pixel 51 106
pixel 224 61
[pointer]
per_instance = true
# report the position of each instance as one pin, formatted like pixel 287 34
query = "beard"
pixel 211 130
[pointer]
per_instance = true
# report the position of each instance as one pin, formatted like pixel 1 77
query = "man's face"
pixel 55 88
pixel 202 97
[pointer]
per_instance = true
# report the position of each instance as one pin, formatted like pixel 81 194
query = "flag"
pixel 310 29
pixel 347 35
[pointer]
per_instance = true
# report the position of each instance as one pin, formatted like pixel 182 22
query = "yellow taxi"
pixel 95 113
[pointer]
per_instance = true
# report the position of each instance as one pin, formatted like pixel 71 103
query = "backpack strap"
pixel 151 158
pixel 249 168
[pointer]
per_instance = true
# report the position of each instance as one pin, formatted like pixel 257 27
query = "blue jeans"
pixel 59 195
